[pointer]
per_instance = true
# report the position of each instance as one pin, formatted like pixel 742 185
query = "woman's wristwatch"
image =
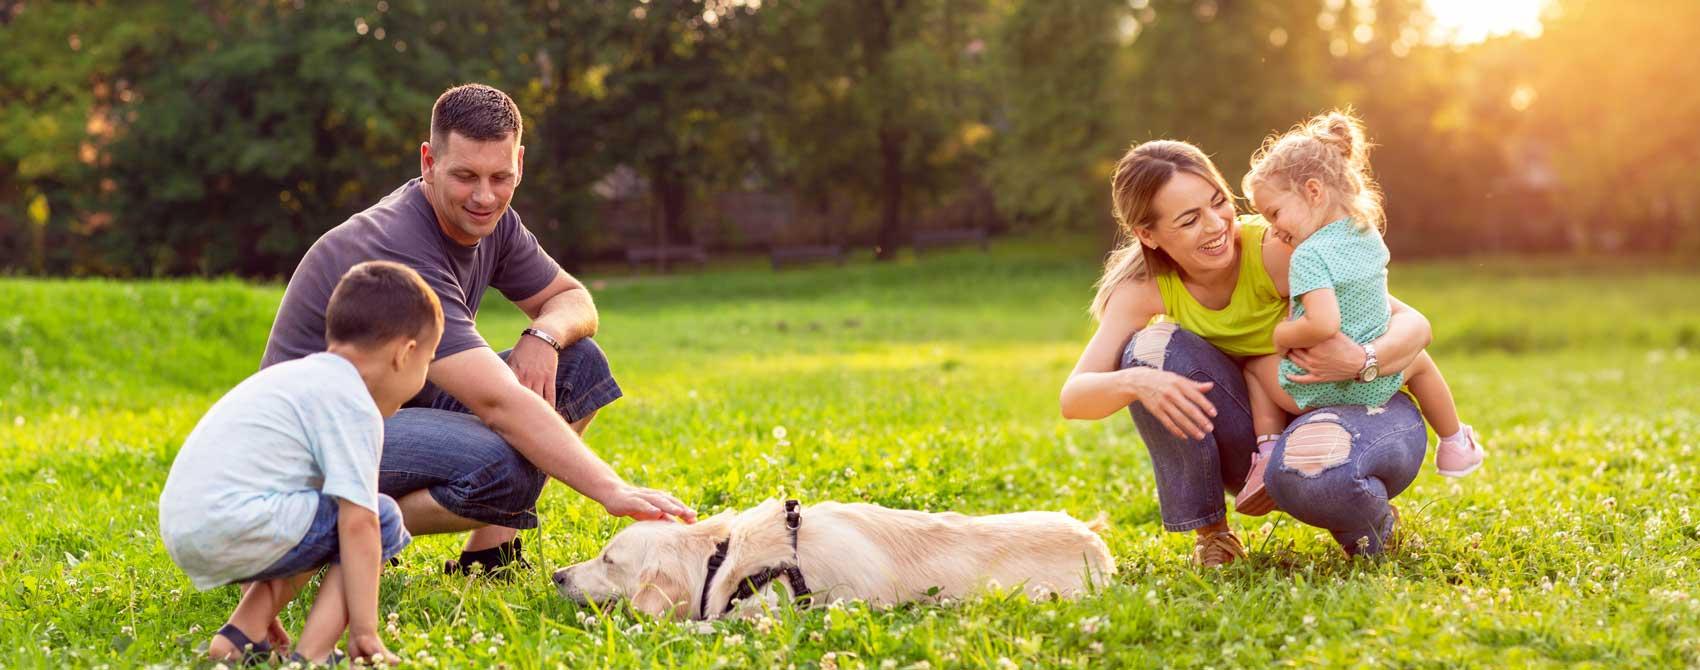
pixel 1372 368
pixel 547 338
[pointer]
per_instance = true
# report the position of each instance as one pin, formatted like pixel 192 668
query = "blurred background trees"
pixel 218 136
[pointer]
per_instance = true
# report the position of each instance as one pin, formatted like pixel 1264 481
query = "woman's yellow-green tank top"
pixel 1246 327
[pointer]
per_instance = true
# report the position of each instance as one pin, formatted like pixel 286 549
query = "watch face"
pixel 1371 373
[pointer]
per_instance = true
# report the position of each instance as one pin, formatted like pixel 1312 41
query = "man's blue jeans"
pixel 437 444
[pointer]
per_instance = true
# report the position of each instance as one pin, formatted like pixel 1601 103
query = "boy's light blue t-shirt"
pixel 1354 263
pixel 246 483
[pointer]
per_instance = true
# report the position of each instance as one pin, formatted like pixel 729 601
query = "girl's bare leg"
pixel 1268 414
pixel 1433 396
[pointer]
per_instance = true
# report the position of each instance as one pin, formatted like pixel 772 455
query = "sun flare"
pixel 1471 21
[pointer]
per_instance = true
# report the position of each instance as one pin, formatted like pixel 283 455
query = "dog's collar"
pixel 790 571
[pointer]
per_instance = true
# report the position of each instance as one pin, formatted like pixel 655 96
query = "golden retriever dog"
pixel 832 551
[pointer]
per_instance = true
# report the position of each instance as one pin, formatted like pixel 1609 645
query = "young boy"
pixel 280 478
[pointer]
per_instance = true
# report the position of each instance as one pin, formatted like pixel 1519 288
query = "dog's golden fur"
pixel 846 551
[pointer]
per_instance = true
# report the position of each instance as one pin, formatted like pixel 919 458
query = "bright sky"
pixel 1470 21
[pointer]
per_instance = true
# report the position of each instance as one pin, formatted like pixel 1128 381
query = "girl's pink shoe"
pixel 1457 458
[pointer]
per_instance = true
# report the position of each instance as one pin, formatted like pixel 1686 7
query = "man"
pixel 488 431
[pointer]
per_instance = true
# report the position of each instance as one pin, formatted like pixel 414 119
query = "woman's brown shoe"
pixel 1217 549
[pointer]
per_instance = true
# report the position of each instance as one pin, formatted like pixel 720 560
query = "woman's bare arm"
pixel 1097 388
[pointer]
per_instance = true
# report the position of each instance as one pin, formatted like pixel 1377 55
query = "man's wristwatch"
pixel 556 345
pixel 1372 367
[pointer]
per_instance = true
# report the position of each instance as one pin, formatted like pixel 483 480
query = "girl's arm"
pixel 1320 321
pixel 1097 388
pixel 1340 359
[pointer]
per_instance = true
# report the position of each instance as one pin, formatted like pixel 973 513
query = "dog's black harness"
pixel 792 573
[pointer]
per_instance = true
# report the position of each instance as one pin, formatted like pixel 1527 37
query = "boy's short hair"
pixel 378 301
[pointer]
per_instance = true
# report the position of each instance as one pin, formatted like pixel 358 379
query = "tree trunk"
pixel 671 194
pixel 880 41
pixel 891 193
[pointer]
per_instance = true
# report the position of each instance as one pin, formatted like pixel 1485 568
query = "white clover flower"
pixel 1309 620
pixel 779 432
pixel 478 637
pixel 734 640
pixel 1096 648
pixel 1005 664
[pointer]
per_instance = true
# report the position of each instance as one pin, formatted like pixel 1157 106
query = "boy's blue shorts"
pixel 319 547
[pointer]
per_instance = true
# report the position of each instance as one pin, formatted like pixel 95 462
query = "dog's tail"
pixel 1099 523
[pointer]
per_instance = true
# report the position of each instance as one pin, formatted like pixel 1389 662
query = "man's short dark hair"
pixel 379 301
pixel 477 112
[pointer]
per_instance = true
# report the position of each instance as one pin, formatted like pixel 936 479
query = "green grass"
pixel 921 384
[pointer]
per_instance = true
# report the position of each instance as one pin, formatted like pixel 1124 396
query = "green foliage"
pixel 178 137
pixel 912 385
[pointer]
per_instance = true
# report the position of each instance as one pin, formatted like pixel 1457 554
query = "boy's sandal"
pixel 253 653
pixel 335 659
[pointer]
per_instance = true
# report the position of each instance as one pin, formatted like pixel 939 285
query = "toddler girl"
pixel 1313 185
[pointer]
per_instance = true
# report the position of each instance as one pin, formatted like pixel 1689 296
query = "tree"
pixel 878 100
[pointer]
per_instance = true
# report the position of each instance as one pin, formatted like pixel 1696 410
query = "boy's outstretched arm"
pixel 361 544
pixel 1320 321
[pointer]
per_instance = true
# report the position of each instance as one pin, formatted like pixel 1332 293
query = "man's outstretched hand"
pixel 645 504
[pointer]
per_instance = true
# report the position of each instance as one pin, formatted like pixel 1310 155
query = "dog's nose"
pixel 560 576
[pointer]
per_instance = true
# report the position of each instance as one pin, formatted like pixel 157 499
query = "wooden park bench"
pixel 801 254
pixel 666 255
pixel 949 237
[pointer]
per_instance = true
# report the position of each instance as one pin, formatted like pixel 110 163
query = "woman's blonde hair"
pixel 1331 149
pixel 1143 171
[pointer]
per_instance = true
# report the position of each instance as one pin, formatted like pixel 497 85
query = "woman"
pixel 1191 292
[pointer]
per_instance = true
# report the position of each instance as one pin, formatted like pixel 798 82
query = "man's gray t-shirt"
pixel 403 228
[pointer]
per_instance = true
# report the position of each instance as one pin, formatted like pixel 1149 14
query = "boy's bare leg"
pixel 254 616
pixel 327 620
pixel 1433 395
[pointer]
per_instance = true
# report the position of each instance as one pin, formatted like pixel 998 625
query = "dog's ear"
pixel 661 594
pixel 757 541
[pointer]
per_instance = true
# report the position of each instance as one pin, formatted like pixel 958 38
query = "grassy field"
pixel 921 384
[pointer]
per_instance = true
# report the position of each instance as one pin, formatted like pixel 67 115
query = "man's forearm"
pixel 527 423
pixel 569 316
